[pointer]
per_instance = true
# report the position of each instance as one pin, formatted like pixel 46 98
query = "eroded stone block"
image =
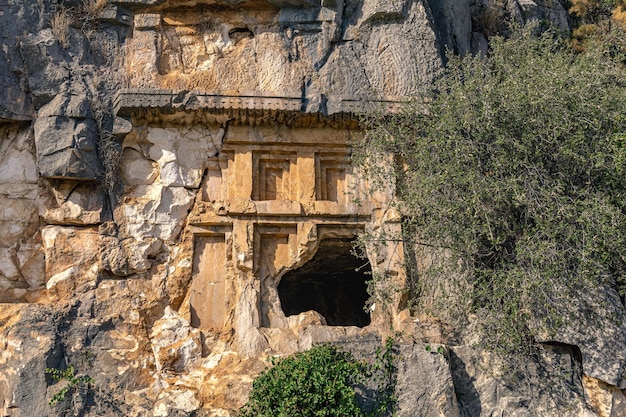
pixel 21 257
pixel 332 177
pixel 214 187
pixel 275 250
pixel 76 204
pixel 145 21
pixel 176 345
pixel 71 260
pixel 67 148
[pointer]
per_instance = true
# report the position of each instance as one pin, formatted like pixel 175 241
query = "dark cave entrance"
pixel 333 283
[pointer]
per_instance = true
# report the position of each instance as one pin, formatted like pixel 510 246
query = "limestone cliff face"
pixel 177 204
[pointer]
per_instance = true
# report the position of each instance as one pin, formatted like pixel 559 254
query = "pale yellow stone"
pixel 606 400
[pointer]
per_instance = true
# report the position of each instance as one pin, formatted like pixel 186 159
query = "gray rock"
pixel 548 385
pixel 46 67
pixel 596 324
pixel 49 66
pixel 453 20
pixel 22 375
pixel 67 148
pixel 140 3
pixel 392 47
pixel 115 15
pixel 68 105
pixel 66 138
pixel 15 103
pixel 554 12
pixel 18 18
pixel 424 384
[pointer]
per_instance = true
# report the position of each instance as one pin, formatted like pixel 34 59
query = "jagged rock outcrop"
pixel 165 163
pixel 66 139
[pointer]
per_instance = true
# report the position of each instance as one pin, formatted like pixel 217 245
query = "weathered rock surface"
pixel 21 254
pixel 66 138
pixel 425 385
pixel 547 386
pixel 165 163
pixel 597 325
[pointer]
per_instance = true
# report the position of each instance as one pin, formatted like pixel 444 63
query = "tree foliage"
pixel 515 168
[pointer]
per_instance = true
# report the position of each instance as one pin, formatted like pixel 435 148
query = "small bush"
pixel 318 382
pixel 109 149
pixel 84 18
pixel 92 8
pixel 73 381
pixel 60 24
pixel 111 156
pixel 89 13
pixel 321 382
pixel 596 19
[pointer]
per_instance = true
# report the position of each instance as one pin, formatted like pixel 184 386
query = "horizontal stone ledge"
pixel 8 117
pixel 255 104
pixel 341 217
pixel 215 217
pixel 232 3
pixel 128 100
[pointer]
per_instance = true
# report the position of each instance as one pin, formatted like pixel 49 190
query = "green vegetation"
pixel 593 18
pixel 321 382
pixel 73 381
pixel 384 375
pixel 597 11
pixel 511 176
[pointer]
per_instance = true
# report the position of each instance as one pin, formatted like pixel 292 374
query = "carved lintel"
pixel 255 107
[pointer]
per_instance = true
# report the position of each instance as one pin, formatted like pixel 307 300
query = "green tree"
pixel 514 169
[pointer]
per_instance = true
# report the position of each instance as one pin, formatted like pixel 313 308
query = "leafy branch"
pixel 72 379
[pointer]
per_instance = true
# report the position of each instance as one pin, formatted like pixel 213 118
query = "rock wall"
pixel 164 163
